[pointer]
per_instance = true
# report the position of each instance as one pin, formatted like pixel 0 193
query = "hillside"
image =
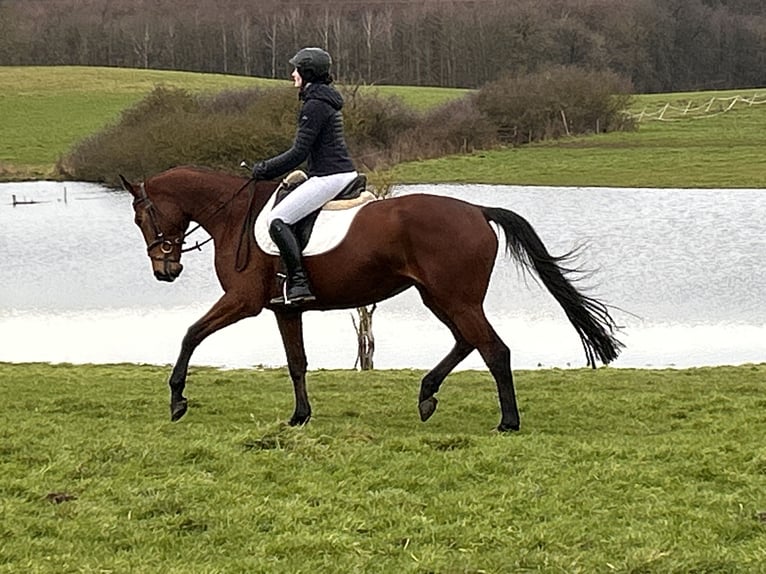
pixel 48 109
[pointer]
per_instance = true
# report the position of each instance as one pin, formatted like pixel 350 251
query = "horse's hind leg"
pixel 291 328
pixel 498 359
pixel 496 354
pixel 431 383
pixel 475 331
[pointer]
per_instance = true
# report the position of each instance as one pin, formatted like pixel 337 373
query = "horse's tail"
pixel 589 316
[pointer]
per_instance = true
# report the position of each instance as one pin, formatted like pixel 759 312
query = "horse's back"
pixel 428 233
pixel 427 216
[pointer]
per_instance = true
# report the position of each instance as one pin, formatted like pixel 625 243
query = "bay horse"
pixel 443 247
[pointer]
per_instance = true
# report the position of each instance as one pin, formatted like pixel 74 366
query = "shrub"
pixel 374 124
pixel 455 127
pixel 172 127
pixel 383 131
pixel 557 102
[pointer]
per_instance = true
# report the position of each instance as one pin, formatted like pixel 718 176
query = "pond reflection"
pixel 681 265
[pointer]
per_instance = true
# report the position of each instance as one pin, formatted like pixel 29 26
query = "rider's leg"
pixel 307 198
pixel 298 290
pixel 310 196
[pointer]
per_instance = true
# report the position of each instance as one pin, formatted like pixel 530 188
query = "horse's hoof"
pixel 505 427
pixel 178 409
pixel 301 420
pixel 427 408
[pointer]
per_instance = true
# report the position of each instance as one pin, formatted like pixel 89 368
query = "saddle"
pixel 346 198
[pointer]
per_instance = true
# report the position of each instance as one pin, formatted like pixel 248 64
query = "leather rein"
pixel 168 245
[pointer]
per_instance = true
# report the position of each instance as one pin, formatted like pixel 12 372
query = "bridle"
pixel 170 245
pixel 167 245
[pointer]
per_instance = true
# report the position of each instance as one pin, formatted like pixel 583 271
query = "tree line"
pixel 659 45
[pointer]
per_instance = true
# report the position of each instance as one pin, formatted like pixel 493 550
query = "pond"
pixel 682 267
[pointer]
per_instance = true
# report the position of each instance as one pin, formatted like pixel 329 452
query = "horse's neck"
pixel 220 206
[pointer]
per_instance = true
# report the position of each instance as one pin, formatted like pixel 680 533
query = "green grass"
pixel 420 98
pixel 721 151
pixel 614 471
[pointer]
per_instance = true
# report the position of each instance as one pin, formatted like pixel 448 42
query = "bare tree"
pixel 272 41
pixel 371 30
pixel 224 46
pixel 323 25
pixel 243 41
pixel 365 339
pixel 142 45
pixel 662 45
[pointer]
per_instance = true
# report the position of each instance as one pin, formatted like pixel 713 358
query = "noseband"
pixel 166 244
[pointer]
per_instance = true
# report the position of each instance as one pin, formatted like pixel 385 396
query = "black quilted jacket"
pixel 319 138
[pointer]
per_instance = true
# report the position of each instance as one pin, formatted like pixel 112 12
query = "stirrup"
pixel 284 300
pixel 300 294
pixel 301 299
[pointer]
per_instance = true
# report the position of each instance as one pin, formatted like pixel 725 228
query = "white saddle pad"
pixel 330 228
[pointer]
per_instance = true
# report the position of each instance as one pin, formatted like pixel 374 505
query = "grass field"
pixel 614 471
pixel 46 110
pixel 706 151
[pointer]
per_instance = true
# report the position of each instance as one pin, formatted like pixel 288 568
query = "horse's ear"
pixel 126 185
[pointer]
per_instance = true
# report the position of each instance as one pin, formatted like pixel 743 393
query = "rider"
pixel 319 140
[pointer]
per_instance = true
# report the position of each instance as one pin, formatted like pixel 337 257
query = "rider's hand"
pixel 259 170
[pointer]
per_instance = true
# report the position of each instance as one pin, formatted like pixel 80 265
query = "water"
pixel 682 265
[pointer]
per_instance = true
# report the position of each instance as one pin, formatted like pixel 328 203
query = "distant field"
pixel 45 110
pixel 706 150
pixel 626 471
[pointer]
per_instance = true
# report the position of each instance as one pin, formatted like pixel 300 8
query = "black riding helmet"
pixel 313 64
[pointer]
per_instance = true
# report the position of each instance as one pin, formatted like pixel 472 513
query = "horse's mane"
pixel 199 168
pixel 186 177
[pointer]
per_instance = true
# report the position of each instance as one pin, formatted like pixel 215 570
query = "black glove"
pixel 260 170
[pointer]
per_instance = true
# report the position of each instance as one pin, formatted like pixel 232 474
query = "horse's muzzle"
pixel 168 273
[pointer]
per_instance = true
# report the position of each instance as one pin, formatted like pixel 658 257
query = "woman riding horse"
pixel 319 140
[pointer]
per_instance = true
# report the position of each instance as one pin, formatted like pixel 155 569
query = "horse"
pixel 445 248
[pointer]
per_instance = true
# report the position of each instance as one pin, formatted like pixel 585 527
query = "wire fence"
pixel 692 110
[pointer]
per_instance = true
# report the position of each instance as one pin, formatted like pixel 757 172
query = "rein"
pixel 167 245
pixel 247 227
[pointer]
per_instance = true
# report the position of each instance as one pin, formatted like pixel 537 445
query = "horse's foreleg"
pixel 291 328
pixel 226 311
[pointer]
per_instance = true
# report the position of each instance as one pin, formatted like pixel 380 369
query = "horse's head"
pixel 162 226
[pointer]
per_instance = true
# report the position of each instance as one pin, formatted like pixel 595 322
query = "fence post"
pixel 564 118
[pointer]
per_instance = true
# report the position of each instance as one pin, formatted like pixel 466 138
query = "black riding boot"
pixel 298 290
